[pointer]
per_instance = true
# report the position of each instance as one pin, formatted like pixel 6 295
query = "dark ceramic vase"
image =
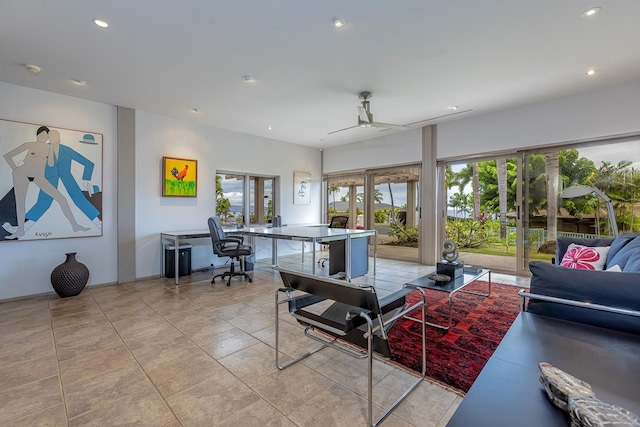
pixel 69 278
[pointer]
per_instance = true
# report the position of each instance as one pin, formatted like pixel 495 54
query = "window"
pixel 239 193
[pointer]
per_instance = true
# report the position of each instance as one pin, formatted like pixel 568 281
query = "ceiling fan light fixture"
pixel 338 22
pixel 78 82
pixel 591 12
pixel 591 72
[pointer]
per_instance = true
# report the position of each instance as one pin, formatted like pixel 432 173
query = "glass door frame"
pixel 367 178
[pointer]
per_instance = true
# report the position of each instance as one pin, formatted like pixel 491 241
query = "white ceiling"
pixel 417 57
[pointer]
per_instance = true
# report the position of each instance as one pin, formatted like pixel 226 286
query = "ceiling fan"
pixel 365 117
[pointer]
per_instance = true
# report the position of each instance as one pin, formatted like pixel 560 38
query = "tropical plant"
pixel 333 189
pixel 406 235
pixel 460 203
pixel 501 167
pixel 380 216
pixel 223 205
pixel 467 233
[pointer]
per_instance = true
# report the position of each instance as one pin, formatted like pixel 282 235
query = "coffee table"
pixel 450 287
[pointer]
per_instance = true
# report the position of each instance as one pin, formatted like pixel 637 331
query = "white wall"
pixel 394 149
pixel 214 149
pixel 25 267
pixel 609 111
pixel 603 112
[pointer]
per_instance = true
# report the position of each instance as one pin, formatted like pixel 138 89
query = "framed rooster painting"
pixel 179 177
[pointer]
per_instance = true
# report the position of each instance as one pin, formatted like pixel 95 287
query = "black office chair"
pixel 228 246
pixel 339 221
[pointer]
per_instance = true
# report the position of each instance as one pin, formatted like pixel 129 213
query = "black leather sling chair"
pixel 356 316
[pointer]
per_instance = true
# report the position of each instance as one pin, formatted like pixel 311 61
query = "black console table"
pixel 507 391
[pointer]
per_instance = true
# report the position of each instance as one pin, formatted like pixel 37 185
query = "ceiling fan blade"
pixel 442 116
pixel 363 114
pixel 388 125
pixel 340 130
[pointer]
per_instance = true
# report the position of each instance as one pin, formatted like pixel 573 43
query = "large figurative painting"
pixel 179 177
pixel 51 182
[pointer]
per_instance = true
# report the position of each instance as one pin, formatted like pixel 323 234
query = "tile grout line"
pixel 136 360
pixel 55 351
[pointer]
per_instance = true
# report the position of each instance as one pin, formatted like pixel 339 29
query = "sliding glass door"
pixel 384 199
pixel 586 191
pixel 507 211
pixel 482 215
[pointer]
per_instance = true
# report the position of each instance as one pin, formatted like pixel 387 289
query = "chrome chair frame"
pixel 361 307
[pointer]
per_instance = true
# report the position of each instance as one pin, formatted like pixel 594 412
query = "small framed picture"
pixel 301 188
pixel 179 177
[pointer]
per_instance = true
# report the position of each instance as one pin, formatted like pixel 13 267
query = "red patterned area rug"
pixel 456 357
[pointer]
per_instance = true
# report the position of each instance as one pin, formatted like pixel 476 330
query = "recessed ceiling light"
pixel 248 79
pixel 269 127
pixel 590 12
pixel 100 22
pixel 591 72
pixel 453 107
pixel 338 22
pixel 34 69
pixel 80 82
pixel 195 110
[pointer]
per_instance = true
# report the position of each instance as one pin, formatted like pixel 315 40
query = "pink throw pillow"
pixel 585 257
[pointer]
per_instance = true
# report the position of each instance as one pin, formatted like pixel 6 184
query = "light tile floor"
pixel 149 353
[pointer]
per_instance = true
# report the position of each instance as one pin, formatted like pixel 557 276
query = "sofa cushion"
pixel 633 264
pixel 562 244
pixel 618 244
pixel 621 290
pixel 630 250
pixel 584 257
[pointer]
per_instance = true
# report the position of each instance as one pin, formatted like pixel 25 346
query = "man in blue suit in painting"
pixel 58 168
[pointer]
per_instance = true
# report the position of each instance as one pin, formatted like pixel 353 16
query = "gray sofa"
pixel 608 288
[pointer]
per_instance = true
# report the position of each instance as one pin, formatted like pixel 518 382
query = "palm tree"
pixel 552 172
pixel 333 189
pixel 460 203
pixel 501 166
pixel 475 183
pixel 462 178
pixel 393 210
pixel 223 205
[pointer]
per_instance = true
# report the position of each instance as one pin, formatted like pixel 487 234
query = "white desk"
pixel 313 234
